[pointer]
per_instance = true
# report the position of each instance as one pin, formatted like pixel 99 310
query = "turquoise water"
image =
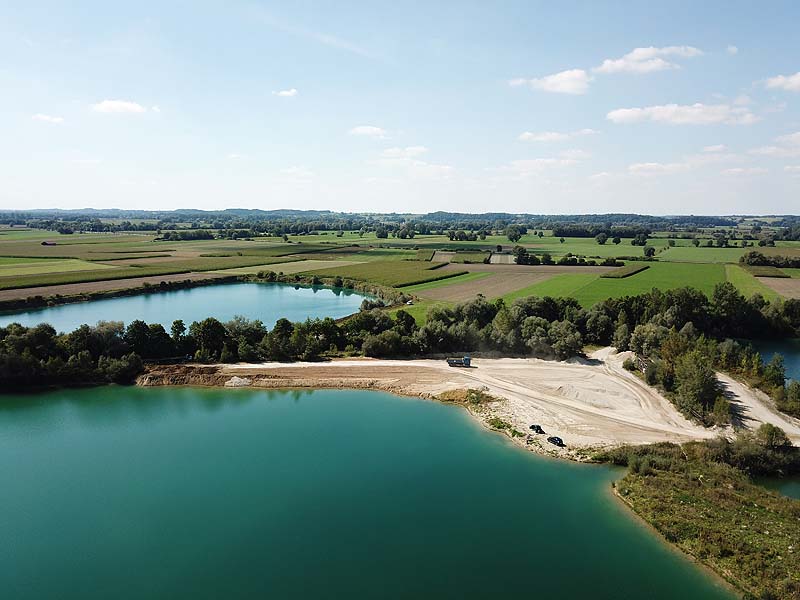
pixel 265 301
pixel 789 486
pixel 210 493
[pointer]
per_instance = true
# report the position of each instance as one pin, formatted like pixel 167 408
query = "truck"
pixel 464 361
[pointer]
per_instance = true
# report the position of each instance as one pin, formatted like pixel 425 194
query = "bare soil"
pixel 788 288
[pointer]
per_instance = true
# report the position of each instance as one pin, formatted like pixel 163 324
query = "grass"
pixel 561 285
pixel 714 513
pixel 703 255
pixel 793 273
pixel 626 271
pixel 38 267
pixel 425 254
pixel 389 273
pixel 588 289
pixel 172 268
pixel 747 284
pixel 421 287
pixel 764 271
pixel 420 310
pixel 470 257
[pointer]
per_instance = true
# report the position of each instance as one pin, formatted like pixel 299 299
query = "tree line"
pixel 682 337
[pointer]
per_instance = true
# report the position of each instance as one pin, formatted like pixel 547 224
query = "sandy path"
pixel 752 408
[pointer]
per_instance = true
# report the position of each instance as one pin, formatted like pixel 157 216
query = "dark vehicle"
pixel 556 441
pixel 459 362
pixel 537 429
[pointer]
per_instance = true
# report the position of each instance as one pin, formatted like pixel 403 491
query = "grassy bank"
pixel 700 497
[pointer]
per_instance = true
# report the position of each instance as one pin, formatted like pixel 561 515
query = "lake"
pixel 125 492
pixel 790 349
pixel 266 301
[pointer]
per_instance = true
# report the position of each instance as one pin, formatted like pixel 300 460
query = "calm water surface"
pixel 211 493
pixel 265 301
pixel 790 349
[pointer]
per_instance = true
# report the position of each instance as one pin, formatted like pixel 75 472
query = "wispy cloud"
pixel 746 171
pixel 647 60
pixel 790 83
pixel 118 106
pixel 715 148
pixel 554 136
pixel 732 50
pixel 786 146
pixel 573 81
pixel 693 114
pixel 368 131
pixel 48 119
pixel 290 93
pixel 320 37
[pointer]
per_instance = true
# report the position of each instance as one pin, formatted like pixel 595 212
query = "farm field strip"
pixel 786 287
pixel 495 285
pixel 39 267
pixel 421 287
pixel 298 265
pixel 389 273
pixel 749 285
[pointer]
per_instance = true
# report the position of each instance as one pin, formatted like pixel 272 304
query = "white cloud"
pixel 786 146
pixel 47 118
pixel 155 109
pixel 554 136
pixel 118 106
pixel 368 131
pixel 647 60
pixel 575 154
pixel 790 83
pixel 694 114
pixel 715 148
pixel 792 169
pixel 408 152
pixel 745 171
pixel 290 93
pixel 573 81
pixel 790 139
pixel 655 168
pixel 298 173
pixel 732 50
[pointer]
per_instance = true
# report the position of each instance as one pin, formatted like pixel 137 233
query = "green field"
pixel 27 266
pixel 747 283
pixel 389 273
pixel 421 287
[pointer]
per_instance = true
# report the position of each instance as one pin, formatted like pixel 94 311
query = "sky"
pixel 383 106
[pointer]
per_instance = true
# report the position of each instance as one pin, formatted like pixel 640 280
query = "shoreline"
pixel 590 403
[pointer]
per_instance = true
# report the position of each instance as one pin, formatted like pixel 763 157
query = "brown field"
pixel 493 286
pixel 75 289
pixel 503 279
pixel 788 288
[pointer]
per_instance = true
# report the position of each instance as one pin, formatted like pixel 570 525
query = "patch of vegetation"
pixel 471 257
pixel 504 426
pixel 425 254
pixel 390 273
pixel 700 497
pixel 626 271
pixel 472 397
pixel 764 271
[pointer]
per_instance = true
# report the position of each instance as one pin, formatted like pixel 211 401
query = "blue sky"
pixel 541 107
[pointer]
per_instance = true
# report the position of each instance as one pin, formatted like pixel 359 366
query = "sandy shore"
pixel 588 403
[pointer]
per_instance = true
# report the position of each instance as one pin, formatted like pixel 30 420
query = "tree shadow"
pixel 739 418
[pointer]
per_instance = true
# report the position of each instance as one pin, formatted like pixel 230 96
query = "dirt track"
pixel 587 403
